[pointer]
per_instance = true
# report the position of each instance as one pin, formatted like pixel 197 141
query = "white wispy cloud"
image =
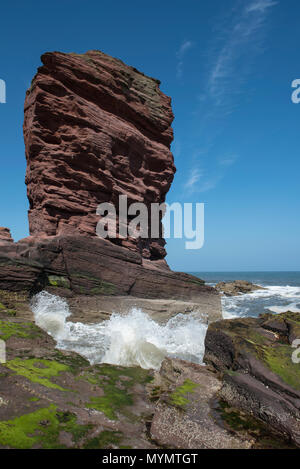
pixel 200 180
pixel 261 5
pixel 227 161
pixel 234 49
pixel 185 46
pixel 241 40
pixel 195 175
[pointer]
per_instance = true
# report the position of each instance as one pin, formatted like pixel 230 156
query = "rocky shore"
pixel 247 397
pixel 95 129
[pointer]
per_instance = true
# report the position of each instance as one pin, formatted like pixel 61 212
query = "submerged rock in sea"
pixel 261 373
pixel 237 287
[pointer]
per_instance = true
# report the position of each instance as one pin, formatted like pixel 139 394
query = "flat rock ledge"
pixel 97 278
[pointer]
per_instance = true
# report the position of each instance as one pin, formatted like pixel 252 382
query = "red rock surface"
pixel 94 129
pixel 5 235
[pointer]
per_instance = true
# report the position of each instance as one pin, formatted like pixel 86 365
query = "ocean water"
pixel 282 292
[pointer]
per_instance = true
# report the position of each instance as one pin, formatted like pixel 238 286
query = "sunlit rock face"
pixel 94 129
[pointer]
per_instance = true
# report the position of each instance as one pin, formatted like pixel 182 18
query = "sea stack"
pixel 96 129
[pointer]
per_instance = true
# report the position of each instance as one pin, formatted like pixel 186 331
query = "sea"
pixel 135 339
pixel 281 292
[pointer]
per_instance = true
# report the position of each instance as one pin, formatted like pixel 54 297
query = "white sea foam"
pixel 276 299
pixel 128 340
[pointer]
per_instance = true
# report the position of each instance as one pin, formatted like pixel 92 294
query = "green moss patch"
pixel 106 439
pixel 25 330
pixel 38 371
pixel 40 429
pixel 95 286
pixel 116 383
pixel 279 360
pixel 58 281
pixel 73 361
pixel 179 396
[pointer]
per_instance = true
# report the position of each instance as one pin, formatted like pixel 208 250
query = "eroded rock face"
pixel 5 235
pixel 260 377
pixel 94 129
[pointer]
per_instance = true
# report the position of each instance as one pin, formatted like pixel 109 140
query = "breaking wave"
pixel 275 299
pixel 128 340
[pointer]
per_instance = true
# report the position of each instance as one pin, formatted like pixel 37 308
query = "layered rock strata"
pixel 95 129
pixel 259 362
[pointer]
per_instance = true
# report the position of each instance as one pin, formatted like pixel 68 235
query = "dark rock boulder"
pixel 237 287
pixel 186 412
pixel 260 375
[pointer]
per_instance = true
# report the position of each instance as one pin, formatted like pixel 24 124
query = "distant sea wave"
pixel 282 292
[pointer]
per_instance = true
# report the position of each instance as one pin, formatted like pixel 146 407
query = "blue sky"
pixel 228 67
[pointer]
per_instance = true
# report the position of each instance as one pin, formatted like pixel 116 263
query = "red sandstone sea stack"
pixel 94 129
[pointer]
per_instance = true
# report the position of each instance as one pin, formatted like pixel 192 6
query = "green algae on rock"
pixel 38 370
pixel 117 383
pixel 40 429
pixel 179 396
pixel 25 330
